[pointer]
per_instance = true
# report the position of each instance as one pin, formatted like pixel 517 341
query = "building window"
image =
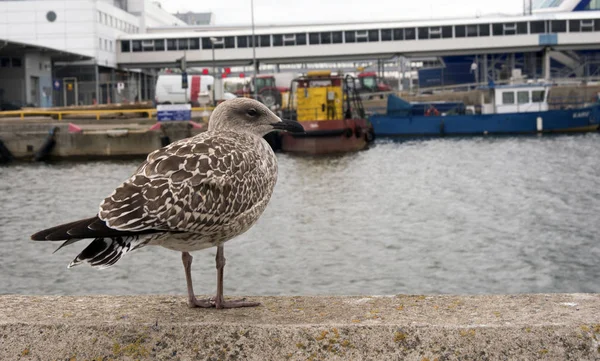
pixel 435 33
pixel 289 39
pixel 508 98
pixel 8 62
pixel 484 29
pixel 242 42
pixel 446 32
pixel 373 35
pixel 125 46
pixel 337 37
pixel 229 42
pixel 574 26
pixel 100 43
pixel 398 34
pixel 313 38
pixel 472 31
pixel 171 44
pixel 362 36
pixel 586 25
pixel 558 26
pixel 497 29
pixel 325 38
pixel 219 43
pixel 99 16
pixel 194 43
pixel 147 45
pixel 182 44
pixel 263 40
pixel 136 45
pixel 523 97
pixel 300 39
pixel 509 29
pixel 410 34
pixel 386 34
pixel 537 27
pixel 350 37
pixel 110 45
pixel 159 45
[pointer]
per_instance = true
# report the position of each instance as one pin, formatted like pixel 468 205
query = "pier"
pixel 92 138
pixel 401 327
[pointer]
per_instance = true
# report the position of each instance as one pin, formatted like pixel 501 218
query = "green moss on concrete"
pixel 301 328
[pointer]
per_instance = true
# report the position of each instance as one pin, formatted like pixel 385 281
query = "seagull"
pixel 190 195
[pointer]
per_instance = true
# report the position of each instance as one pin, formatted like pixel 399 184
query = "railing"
pixel 150 112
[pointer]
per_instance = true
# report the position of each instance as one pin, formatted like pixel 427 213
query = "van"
pixel 169 91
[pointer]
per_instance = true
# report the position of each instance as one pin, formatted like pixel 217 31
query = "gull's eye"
pixel 252 112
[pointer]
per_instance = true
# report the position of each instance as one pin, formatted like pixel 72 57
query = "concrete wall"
pixel 24 139
pixel 26 21
pixel 82 26
pixel 111 22
pixel 403 327
pixel 38 65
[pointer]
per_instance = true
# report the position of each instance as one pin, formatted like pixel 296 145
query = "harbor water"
pixel 497 215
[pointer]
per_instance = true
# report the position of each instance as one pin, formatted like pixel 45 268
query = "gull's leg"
pixel 192 301
pixel 219 301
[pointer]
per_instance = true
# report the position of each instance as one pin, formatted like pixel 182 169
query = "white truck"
pixel 198 93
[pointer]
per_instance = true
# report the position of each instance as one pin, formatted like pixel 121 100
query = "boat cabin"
pixel 518 98
pixel 324 95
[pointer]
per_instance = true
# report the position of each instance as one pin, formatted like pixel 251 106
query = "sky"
pixel 237 12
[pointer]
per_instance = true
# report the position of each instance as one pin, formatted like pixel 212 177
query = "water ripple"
pixel 462 215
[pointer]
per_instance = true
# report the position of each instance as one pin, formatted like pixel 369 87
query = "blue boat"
pixel 515 109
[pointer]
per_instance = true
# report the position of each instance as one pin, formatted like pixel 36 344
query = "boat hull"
pixel 329 137
pixel 552 121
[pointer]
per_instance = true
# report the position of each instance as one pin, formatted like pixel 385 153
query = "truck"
pixel 168 89
pixel 198 93
pixel 269 88
pixel 368 82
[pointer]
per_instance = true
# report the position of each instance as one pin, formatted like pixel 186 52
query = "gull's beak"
pixel 289 126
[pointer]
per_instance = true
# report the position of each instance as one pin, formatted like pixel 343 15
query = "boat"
pixel 331 112
pixel 514 109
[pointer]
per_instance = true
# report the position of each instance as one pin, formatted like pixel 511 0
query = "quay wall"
pixel 23 140
pixel 401 327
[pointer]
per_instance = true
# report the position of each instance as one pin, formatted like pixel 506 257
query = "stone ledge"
pixel 502 327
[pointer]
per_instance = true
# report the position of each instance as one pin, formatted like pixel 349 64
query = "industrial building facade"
pixel 63 52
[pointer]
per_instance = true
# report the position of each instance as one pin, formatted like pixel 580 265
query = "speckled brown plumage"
pixel 193 194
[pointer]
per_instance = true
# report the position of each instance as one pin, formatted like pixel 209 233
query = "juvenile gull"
pixel 193 194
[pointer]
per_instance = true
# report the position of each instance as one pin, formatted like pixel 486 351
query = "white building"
pixel 57 52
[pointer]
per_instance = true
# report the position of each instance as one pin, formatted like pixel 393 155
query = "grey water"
pixel 432 216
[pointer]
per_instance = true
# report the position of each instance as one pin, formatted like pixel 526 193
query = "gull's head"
pixel 249 116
